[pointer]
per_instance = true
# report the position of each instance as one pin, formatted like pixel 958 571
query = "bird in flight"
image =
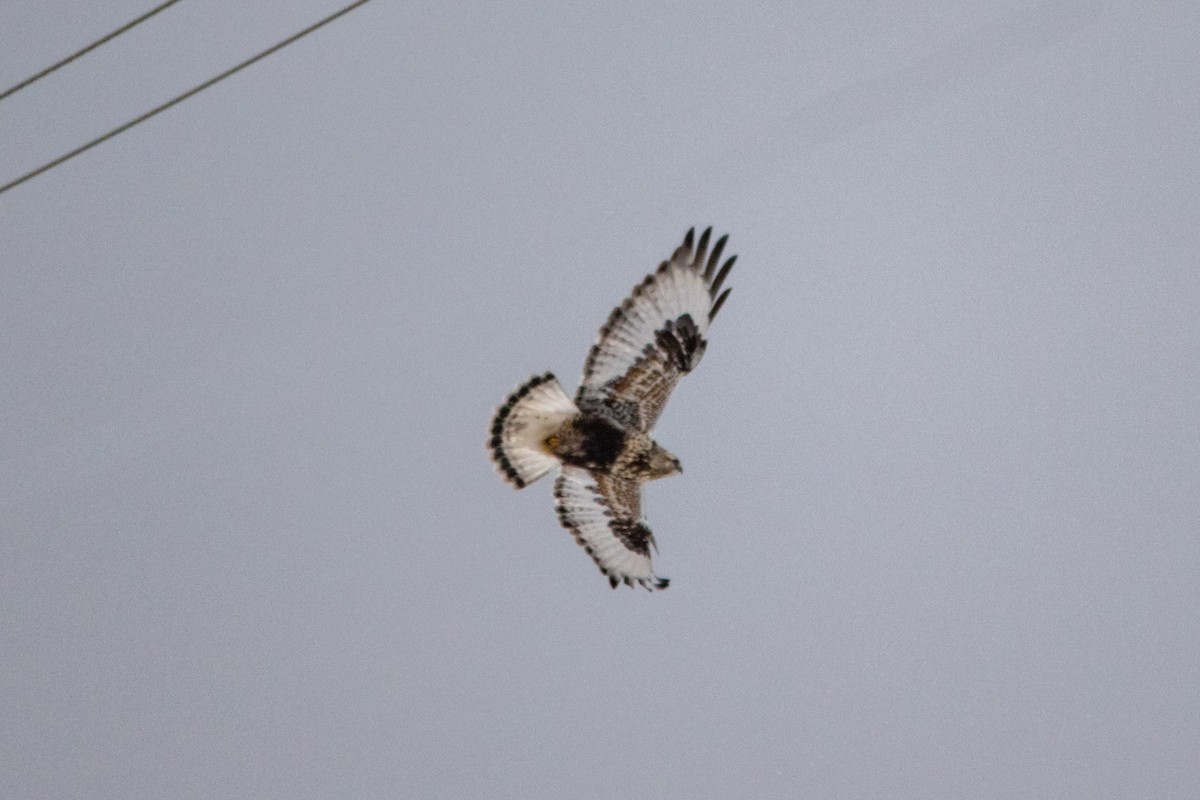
pixel 601 439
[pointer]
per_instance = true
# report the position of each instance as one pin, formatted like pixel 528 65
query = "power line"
pixel 179 99
pixel 88 49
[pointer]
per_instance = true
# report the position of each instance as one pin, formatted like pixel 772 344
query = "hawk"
pixel 601 439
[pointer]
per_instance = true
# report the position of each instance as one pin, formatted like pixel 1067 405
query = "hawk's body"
pixel 602 439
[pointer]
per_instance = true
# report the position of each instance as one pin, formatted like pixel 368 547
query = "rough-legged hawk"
pixel 602 439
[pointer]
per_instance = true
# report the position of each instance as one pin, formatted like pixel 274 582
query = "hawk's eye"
pixel 552 441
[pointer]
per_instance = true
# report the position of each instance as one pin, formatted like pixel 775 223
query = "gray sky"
pixel 937 532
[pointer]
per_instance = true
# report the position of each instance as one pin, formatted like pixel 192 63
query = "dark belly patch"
pixel 598 445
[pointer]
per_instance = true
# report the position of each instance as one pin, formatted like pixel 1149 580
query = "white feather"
pixel 519 429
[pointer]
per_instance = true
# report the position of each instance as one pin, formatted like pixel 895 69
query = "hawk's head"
pixel 660 463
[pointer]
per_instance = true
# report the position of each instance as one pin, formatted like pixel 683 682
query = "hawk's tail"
pixel 519 429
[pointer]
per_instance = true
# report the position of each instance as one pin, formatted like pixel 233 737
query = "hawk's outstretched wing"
pixel 657 334
pixel 604 514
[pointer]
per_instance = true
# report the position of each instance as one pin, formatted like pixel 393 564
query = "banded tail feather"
pixel 520 426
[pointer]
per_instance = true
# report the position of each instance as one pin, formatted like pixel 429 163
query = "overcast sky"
pixel 938 533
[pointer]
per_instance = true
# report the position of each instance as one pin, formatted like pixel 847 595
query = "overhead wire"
pixel 180 98
pixel 107 38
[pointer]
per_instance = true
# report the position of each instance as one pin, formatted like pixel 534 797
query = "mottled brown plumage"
pixel 602 439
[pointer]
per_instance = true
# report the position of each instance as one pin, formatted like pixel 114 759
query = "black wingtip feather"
pixel 717 281
pixel 717 305
pixel 702 245
pixel 715 258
